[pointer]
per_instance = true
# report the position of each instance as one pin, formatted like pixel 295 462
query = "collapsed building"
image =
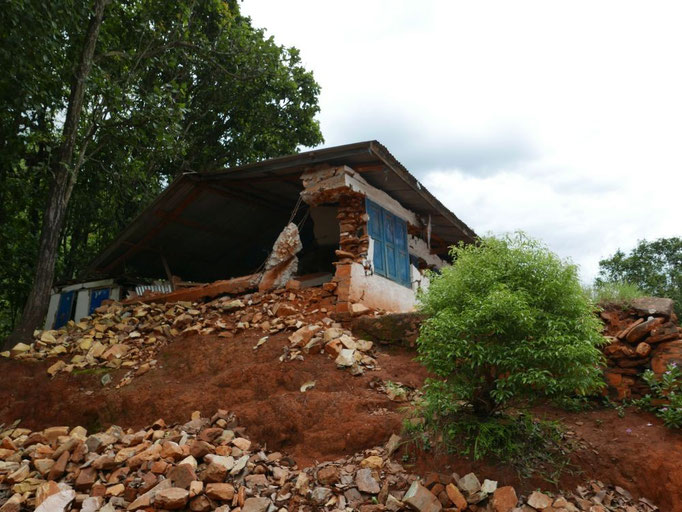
pixel 349 218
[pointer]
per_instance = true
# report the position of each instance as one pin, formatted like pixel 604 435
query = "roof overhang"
pixel 201 216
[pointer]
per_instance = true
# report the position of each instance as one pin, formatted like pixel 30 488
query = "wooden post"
pixel 169 275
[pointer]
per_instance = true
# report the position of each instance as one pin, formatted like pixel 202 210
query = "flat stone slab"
pixel 655 306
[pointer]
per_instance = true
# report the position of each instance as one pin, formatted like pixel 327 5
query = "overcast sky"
pixel 563 119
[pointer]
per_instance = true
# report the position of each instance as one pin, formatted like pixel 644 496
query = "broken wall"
pixel 355 280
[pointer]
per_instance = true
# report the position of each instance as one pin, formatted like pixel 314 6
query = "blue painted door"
pixel 64 309
pixel 96 298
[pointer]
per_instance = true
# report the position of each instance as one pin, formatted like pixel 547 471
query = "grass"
pixel 90 371
pixel 533 447
pixel 615 293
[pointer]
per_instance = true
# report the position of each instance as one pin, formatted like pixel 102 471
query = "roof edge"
pixel 400 170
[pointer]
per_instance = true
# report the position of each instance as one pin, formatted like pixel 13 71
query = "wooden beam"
pixel 207 291
pixel 269 196
pixel 247 198
pixel 369 168
pixel 167 217
pixel 292 178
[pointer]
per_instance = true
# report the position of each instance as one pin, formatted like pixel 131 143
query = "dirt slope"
pixel 342 414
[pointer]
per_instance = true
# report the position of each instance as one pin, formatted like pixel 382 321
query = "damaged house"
pixel 349 218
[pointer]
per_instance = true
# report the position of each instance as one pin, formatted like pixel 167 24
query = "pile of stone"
pixel 330 338
pixel 129 335
pixel 209 464
pixel 644 335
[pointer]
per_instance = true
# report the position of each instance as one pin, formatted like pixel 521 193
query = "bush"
pixel 667 400
pixel 508 323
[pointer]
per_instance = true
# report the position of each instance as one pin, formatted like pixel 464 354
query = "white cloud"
pixel 561 119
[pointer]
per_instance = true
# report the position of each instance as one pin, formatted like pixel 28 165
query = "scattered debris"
pixel 260 342
pixel 308 385
pixel 330 338
pixel 129 335
pixel 396 391
pixel 209 464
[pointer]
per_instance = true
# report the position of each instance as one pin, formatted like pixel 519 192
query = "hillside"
pixel 277 366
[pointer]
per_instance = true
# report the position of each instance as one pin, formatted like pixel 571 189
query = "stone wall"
pixel 643 335
pixel 390 329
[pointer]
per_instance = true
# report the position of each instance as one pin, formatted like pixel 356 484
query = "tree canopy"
pixel 654 267
pixel 173 87
pixel 507 321
pixel 506 325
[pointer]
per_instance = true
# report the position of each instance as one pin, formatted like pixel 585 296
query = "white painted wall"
pixel 375 291
pixel 51 311
pixel 82 305
pixel 420 248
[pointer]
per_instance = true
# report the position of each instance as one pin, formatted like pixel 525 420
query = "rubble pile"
pixel 209 464
pixel 642 336
pixel 329 337
pixel 129 335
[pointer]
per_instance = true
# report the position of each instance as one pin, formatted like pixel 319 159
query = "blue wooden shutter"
pixel 401 252
pixel 96 299
pixel 376 231
pixel 389 233
pixel 389 242
pixel 64 309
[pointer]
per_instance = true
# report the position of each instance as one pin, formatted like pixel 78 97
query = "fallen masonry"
pixel 209 464
pixel 129 335
pixel 644 335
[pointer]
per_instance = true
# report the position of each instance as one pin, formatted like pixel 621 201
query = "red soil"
pixel 636 452
pixel 342 414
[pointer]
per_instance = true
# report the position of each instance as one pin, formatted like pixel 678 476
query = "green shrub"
pixel 667 400
pixel 508 323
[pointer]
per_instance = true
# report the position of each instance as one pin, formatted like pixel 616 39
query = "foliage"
pixel 578 403
pixel 531 445
pixel 614 292
pixel 654 267
pixel 666 402
pixel 507 321
pixel 507 324
pixel 175 87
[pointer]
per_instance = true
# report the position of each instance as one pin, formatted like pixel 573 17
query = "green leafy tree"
pixel 104 102
pixel 654 267
pixel 508 323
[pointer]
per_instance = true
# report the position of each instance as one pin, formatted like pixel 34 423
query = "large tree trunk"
pixel 64 178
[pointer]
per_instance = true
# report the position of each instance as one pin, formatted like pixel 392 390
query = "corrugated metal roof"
pixel 215 225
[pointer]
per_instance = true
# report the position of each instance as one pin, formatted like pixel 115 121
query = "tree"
pixel 654 267
pixel 171 88
pixel 63 177
pixel 507 324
